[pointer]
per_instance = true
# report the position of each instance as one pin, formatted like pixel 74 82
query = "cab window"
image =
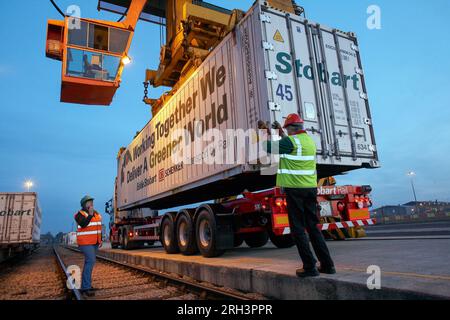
pixel 78 36
pixel 118 40
pixel 92 65
pixel 98 37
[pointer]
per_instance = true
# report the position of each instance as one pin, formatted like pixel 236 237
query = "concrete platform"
pixel 410 269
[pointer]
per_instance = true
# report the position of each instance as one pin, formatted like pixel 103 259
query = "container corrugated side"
pixel 20 218
pixel 251 76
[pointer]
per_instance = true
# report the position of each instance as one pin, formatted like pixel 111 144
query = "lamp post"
pixel 28 185
pixel 412 174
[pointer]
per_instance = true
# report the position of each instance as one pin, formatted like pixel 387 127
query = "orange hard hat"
pixel 292 119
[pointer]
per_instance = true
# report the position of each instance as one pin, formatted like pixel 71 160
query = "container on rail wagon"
pixel 270 66
pixel 20 219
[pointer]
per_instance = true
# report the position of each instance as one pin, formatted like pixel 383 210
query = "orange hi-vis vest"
pixel 92 234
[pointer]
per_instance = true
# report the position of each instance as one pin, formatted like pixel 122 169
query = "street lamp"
pixel 28 185
pixel 412 174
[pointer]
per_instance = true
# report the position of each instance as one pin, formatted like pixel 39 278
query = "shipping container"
pixel 273 64
pixel 20 219
pixel 70 239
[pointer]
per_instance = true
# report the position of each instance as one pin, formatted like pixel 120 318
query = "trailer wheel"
pixel 127 244
pixel 257 240
pixel 113 244
pixel 168 238
pixel 186 235
pixel 283 241
pixel 121 240
pixel 206 234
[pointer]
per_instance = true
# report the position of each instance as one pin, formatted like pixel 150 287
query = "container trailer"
pixel 200 145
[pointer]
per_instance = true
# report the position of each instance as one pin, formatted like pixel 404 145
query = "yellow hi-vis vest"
pixel 298 169
pixel 92 233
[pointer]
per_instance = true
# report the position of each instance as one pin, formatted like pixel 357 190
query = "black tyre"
pixel 186 235
pixel 257 240
pixel 283 241
pixel 168 237
pixel 127 244
pixel 121 238
pixel 114 245
pixel 206 234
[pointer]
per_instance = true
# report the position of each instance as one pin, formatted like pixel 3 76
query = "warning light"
pixel 126 60
pixel 279 202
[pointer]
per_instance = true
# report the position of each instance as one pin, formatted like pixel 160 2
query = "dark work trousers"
pixel 302 210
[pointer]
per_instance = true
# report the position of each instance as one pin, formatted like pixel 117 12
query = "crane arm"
pixel 133 14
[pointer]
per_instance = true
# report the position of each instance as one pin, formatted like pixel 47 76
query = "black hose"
pixel 57 8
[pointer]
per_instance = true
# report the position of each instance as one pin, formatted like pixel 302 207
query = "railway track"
pixel 119 281
pixel 33 277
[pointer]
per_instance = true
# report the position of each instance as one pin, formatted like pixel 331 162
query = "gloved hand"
pixel 277 125
pixel 262 125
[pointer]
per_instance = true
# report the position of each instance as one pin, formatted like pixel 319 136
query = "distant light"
pixel 411 174
pixel 126 60
pixel 28 184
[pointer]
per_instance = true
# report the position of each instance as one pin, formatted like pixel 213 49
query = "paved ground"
pixel 434 229
pixel 418 264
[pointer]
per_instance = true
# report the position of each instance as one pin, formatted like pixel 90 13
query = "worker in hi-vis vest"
pixel 89 239
pixel 297 176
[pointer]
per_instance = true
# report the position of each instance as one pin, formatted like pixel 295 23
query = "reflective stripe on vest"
pixel 87 232
pixel 92 233
pixel 298 169
pixel 299 155
pixel 297 172
pixel 93 224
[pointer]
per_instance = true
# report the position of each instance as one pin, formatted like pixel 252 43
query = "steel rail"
pixel 202 290
pixel 76 293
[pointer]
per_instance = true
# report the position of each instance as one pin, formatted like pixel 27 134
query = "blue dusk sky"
pixel 70 150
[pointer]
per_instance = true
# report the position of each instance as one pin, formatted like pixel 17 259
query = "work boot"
pixel 327 270
pixel 302 273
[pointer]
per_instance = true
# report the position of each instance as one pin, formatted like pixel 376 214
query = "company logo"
pixel 285 65
pixel 15 213
pixel 326 191
pixel 161 175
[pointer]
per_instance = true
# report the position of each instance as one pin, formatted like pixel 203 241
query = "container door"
pixel 3 216
pixel 292 84
pixel 344 95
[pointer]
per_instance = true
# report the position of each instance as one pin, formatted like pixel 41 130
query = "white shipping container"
pixel 70 239
pixel 20 218
pixel 270 66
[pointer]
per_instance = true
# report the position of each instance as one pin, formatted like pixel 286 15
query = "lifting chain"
pixel 145 91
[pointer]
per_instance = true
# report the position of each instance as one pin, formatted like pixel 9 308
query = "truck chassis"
pixel 253 218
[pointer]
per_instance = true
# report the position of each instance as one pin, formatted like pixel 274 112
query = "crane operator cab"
pixel 93 54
